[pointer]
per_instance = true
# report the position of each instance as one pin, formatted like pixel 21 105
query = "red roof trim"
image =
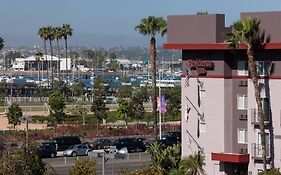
pixel 231 157
pixel 232 77
pixel 214 46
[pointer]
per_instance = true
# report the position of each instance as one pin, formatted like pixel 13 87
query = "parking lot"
pixel 132 162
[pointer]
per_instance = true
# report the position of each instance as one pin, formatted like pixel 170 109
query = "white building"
pixel 31 63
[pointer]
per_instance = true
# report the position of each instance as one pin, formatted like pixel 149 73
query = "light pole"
pixel 160 106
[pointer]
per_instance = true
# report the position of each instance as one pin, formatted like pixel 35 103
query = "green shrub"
pixel 272 171
pixel 83 167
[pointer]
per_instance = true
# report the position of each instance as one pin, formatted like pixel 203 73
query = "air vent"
pixel 243 83
pixel 243 117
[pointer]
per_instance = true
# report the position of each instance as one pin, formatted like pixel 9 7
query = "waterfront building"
pixel 219 111
pixel 32 63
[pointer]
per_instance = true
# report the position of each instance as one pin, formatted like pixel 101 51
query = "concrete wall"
pixel 270 22
pixel 214 115
pixel 196 28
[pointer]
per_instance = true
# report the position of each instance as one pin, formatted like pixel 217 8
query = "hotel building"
pixel 219 111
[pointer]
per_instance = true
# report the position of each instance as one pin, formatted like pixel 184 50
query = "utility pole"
pixel 160 106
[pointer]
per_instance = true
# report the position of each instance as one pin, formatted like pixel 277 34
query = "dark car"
pixel 132 144
pixel 47 151
pixel 170 138
pixel 100 143
pixel 64 142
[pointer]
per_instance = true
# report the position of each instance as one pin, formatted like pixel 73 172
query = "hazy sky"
pixel 20 19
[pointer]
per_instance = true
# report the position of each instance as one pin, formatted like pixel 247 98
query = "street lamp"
pixel 160 106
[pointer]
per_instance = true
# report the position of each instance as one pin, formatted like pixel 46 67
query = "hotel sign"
pixel 201 66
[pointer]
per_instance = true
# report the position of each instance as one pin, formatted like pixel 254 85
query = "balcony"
pixel 255 117
pixel 257 151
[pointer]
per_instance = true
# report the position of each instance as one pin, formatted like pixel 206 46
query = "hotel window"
pixel 242 135
pixel 263 68
pixel 242 101
pixel 243 68
pixel 266 108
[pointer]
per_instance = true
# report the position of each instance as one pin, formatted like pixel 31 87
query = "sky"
pixel 107 23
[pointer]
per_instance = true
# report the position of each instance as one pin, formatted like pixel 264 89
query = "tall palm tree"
pixel 151 26
pixel 58 36
pixel 66 32
pixel 50 34
pixel 193 165
pixel 1 43
pixel 38 58
pixel 42 33
pixel 247 32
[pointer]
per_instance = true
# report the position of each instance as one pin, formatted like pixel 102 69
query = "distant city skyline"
pixel 107 23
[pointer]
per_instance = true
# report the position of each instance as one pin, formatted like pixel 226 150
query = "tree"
pixel 100 87
pixel 112 65
pixel 136 105
pixel 193 165
pixel 174 102
pixel 124 91
pixel 151 26
pixel 38 58
pixel 10 57
pixel 124 110
pixel 66 32
pixel 78 88
pixel 57 105
pixel 165 159
pixel 43 34
pixel 14 115
pixel 62 88
pixel 50 34
pixel 99 109
pixel 99 58
pixel 24 161
pixel 2 94
pixel 1 43
pixel 80 110
pixel 247 32
pixel 83 167
pixel 58 36
pixel 88 53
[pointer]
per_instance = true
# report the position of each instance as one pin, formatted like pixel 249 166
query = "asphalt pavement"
pixel 132 162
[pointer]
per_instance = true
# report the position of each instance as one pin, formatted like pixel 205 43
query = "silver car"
pixel 77 150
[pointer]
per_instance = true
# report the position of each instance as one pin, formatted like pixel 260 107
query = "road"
pixel 134 161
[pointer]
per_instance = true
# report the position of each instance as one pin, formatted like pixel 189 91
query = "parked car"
pixel 47 151
pixel 77 150
pixel 100 143
pixel 132 144
pixel 64 142
pixel 170 138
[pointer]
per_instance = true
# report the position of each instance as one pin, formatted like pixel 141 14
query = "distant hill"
pixel 83 39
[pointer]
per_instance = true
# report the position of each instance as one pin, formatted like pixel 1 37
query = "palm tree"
pixel 42 33
pixel 193 165
pixel 66 32
pixel 1 43
pixel 50 34
pixel 38 58
pixel 58 36
pixel 151 26
pixel 247 32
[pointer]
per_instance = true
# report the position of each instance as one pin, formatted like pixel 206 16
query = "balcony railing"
pixel 255 117
pixel 257 151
